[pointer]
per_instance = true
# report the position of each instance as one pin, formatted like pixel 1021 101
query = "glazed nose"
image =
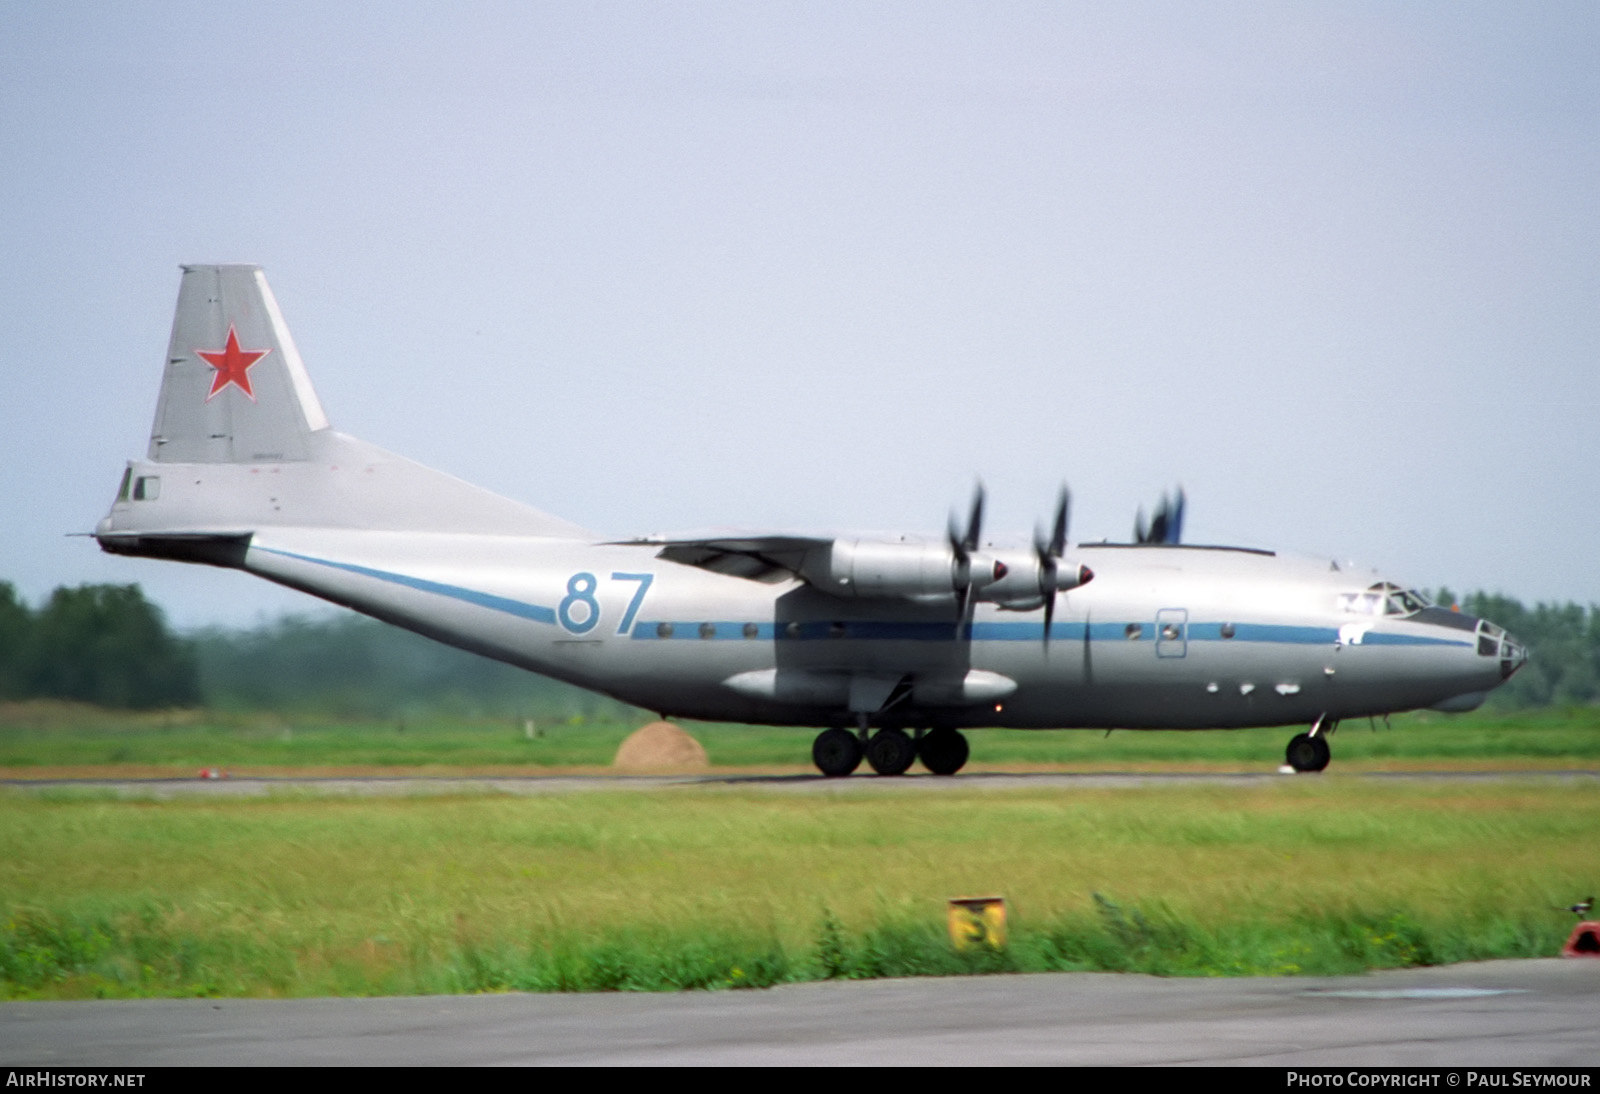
pixel 1513 655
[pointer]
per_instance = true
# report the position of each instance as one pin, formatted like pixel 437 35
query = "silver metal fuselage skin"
pixel 243 470
pixel 1141 646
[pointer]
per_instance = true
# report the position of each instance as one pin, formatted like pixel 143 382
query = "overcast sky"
pixel 1335 268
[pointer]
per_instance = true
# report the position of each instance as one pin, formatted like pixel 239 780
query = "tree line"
pixel 102 644
pixel 108 645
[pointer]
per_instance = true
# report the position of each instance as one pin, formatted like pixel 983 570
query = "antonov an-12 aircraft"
pixel 889 645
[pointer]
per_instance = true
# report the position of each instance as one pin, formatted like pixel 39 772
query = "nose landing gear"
pixel 1310 751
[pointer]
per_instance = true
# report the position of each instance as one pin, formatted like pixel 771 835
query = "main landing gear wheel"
pixel 943 751
pixel 836 752
pixel 1308 753
pixel 890 752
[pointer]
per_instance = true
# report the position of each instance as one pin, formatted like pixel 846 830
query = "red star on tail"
pixel 232 365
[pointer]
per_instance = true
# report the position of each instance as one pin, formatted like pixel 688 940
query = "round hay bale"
pixel 660 746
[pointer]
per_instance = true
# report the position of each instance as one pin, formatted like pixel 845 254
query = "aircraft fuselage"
pixel 1163 638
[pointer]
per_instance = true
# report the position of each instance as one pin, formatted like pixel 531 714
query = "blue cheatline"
pixel 536 612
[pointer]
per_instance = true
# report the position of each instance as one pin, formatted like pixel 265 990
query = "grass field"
pixel 721 887
pixel 50 738
pixel 705 886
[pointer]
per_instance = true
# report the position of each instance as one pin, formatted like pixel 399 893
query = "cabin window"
pixel 663 630
pixel 1133 631
pixel 1228 630
pixel 751 630
pixel 708 630
pixel 792 630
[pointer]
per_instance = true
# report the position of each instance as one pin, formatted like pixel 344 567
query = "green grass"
pixel 694 887
pixel 63 736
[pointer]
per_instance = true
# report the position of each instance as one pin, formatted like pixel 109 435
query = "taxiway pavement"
pixel 1500 1013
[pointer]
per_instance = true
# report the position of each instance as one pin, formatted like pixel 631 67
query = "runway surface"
pixel 522 785
pixel 1501 1013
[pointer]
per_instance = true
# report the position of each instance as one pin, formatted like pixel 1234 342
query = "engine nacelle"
pixel 1025 585
pixel 868 567
pixel 1069 575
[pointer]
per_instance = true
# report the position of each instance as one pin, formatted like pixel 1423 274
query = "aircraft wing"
pixel 891 565
pixel 758 556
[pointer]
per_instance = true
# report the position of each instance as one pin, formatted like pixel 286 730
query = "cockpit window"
pixel 1383 598
pixel 1405 602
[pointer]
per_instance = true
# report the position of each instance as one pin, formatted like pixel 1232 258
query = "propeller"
pixel 1088 655
pixel 962 544
pixel 1166 527
pixel 1049 553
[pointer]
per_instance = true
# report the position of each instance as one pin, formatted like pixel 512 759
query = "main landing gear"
pixel 838 752
pixel 943 751
pixel 1310 751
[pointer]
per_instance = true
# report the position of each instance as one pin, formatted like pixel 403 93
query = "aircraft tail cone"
pixel 1585 940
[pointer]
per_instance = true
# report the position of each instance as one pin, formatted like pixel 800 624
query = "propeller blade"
pixel 1166 526
pixel 961 546
pixel 1088 657
pixel 1050 553
pixel 1058 538
pixel 965 606
pixel 974 520
pixel 1158 523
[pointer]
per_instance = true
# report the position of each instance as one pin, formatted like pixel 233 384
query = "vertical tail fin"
pixel 234 389
pixel 238 413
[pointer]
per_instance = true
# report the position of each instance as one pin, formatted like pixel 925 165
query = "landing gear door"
pixel 1172 632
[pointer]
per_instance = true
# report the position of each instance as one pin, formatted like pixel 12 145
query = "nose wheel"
pixel 1308 753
